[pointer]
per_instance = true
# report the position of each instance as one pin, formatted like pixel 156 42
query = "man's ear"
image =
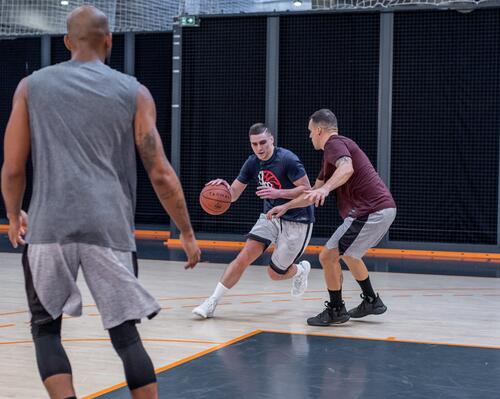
pixel 67 42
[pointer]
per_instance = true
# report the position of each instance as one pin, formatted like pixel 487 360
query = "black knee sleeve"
pixel 138 366
pixel 50 355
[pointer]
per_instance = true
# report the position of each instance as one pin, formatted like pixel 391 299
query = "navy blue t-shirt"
pixel 279 171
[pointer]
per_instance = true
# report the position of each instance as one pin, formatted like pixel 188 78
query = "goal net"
pixel 35 17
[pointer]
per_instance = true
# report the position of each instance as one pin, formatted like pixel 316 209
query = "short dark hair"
pixel 259 128
pixel 324 117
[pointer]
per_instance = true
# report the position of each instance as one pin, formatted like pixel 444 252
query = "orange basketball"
pixel 215 200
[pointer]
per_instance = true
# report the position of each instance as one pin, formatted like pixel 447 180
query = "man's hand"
pixel 277 211
pixel 268 192
pixel 216 182
pixel 191 249
pixel 18 226
pixel 317 196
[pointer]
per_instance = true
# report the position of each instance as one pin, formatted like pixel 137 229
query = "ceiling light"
pixel 64 2
pixel 297 3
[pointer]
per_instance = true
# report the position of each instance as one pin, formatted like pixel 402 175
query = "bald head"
pixel 87 26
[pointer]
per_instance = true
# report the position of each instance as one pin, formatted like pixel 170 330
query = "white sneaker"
pixel 299 283
pixel 206 309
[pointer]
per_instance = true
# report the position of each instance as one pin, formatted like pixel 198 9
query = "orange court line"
pixel 176 363
pixel 388 252
pixel 226 296
pixel 312 291
pixel 187 341
pixel 324 291
pixel 11 313
pixel 7 325
pixel 391 339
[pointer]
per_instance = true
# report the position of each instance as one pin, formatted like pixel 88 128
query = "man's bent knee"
pixel 275 272
pixel 328 256
pixel 251 251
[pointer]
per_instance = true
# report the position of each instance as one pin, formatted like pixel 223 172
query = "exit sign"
pixel 190 20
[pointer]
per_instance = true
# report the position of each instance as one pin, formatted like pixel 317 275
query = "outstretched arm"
pixel 301 185
pixel 342 174
pixel 163 177
pixel 299 202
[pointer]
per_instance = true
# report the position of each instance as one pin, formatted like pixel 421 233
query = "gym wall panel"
pixel 153 68
pixel 19 58
pixel 223 94
pixel 445 126
pixel 328 61
pixel 59 52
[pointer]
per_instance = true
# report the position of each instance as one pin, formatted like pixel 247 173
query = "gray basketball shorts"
pixel 290 240
pixel 355 236
pixel 51 271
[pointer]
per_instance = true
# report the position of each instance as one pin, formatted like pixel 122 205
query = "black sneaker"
pixel 376 306
pixel 329 316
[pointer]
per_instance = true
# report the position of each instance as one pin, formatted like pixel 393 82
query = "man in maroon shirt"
pixel 364 202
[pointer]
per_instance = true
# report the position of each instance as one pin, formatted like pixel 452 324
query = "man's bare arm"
pixel 16 152
pixel 342 174
pixel 299 202
pixel 163 177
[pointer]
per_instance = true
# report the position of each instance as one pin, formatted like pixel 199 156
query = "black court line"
pixel 301 366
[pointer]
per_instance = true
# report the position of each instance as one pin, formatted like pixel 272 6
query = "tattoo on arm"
pixel 342 161
pixel 148 149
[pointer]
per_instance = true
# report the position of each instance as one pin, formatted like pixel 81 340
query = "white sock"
pixel 300 269
pixel 220 290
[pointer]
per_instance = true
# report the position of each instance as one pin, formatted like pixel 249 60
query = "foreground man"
pixel 79 120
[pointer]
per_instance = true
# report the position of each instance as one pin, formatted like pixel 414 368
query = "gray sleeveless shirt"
pixel 83 152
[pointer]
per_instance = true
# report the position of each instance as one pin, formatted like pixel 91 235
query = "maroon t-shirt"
pixel 364 192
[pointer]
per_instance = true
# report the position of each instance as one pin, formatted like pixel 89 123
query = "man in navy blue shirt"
pixel 281 177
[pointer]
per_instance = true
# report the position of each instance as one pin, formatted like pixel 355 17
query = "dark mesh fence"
pixel 153 68
pixel 445 126
pixel 223 94
pixel 19 58
pixel 328 61
pixel 445 103
pixel 59 53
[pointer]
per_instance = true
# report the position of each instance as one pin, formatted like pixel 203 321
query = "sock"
pixel 366 286
pixel 220 290
pixel 300 270
pixel 335 298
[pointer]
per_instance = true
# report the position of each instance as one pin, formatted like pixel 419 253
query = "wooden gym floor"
pixel 423 308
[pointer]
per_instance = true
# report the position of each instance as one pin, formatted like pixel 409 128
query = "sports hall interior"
pixel 415 83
